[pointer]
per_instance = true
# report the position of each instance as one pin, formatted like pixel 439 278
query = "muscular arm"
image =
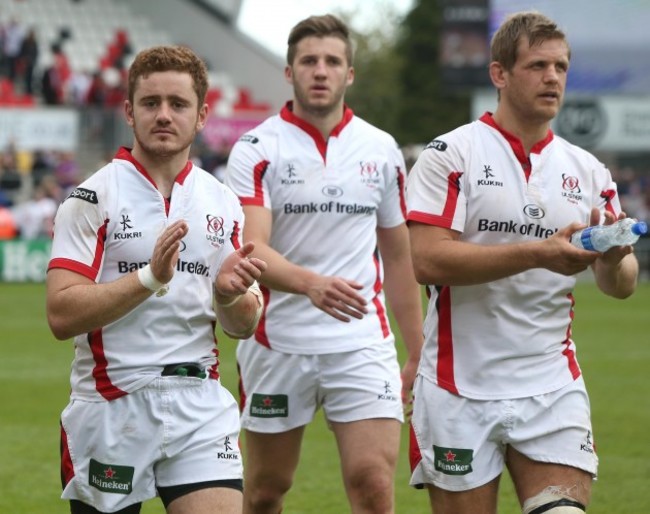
pixel 77 305
pixel 440 258
pixel 336 296
pixel 616 270
pixel 404 297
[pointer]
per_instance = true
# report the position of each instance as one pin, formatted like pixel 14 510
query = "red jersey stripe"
pixel 445 219
pixel 91 271
pixel 567 352
pixel 381 311
pixel 67 468
pixel 415 456
pixel 401 184
pixel 103 383
pixel 445 369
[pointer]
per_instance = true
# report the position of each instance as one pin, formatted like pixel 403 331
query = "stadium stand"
pixel 100 35
pixel 84 48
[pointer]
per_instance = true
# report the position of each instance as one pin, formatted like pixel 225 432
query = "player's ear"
pixel 203 116
pixel 128 112
pixel 288 74
pixel 350 79
pixel 497 74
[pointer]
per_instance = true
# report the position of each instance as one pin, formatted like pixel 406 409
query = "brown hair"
pixel 319 26
pixel 169 58
pixel 532 25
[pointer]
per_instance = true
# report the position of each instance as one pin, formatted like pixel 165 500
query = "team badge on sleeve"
pixel 437 144
pixel 249 138
pixel 84 194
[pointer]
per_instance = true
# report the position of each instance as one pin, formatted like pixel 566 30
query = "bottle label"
pixel 585 239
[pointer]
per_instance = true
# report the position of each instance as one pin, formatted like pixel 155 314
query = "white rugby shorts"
pixel 175 431
pixel 283 391
pixel 458 443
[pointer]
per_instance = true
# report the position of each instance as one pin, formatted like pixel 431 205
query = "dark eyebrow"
pixel 172 98
pixel 181 99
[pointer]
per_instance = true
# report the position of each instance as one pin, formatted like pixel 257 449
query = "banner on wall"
pixel 24 261
pixel 39 129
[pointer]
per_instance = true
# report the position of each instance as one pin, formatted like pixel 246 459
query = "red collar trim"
pixel 125 154
pixel 515 142
pixel 286 113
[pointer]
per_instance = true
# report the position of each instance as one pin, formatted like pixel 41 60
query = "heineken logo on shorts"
pixel 269 405
pixel 110 478
pixel 453 461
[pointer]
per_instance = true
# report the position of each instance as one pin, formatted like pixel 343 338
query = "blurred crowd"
pixel 33 184
pixel 634 191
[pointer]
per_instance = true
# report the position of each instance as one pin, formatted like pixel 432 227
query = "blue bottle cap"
pixel 640 228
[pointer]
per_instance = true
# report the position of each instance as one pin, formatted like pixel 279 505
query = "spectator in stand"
pixel 5 201
pixel 52 81
pixel 96 100
pixel 8 229
pixel 50 86
pixel 42 166
pixel 78 87
pixel 14 34
pixel 52 189
pixel 96 93
pixel 28 59
pixel 115 83
pixel 55 77
pixel 10 179
pixel 35 217
pixel 67 172
pixel 62 66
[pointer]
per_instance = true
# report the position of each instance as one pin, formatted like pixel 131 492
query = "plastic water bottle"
pixel 601 238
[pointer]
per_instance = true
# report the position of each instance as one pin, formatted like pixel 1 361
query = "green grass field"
pixel 613 340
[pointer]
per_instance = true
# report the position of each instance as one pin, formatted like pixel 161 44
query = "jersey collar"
pixel 515 142
pixel 125 154
pixel 288 115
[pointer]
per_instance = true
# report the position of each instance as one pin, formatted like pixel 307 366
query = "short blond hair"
pixel 532 25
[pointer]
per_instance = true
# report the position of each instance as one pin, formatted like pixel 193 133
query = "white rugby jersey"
pixel 107 228
pixel 508 338
pixel 327 199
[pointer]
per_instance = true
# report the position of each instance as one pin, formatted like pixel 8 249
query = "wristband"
pixel 232 302
pixel 146 278
pixel 255 290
